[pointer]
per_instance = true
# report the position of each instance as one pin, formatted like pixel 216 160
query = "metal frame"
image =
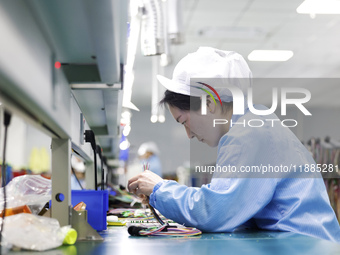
pixel 61 180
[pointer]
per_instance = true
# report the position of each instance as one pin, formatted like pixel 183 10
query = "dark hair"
pixel 182 102
pixel 186 103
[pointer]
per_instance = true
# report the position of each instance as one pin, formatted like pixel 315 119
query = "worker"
pixel 299 205
pixel 148 153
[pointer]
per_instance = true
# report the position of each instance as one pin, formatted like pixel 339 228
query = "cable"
pixel 90 138
pixel 102 166
pixel 156 216
pixel 7 120
pixel 106 176
pixel 164 229
pixel 99 151
pixel 171 231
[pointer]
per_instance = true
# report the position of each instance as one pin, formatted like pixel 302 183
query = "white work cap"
pixel 209 62
pixel 148 147
pixel 77 164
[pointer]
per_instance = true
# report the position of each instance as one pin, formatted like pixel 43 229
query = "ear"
pixel 211 107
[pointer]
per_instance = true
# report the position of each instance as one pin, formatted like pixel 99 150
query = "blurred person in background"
pixel 149 153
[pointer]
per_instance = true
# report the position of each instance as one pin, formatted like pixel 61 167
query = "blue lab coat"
pixel 279 203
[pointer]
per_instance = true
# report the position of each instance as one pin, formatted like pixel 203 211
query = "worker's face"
pixel 146 155
pixel 200 126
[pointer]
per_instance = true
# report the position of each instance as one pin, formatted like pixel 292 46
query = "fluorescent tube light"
pixel 270 55
pixel 319 7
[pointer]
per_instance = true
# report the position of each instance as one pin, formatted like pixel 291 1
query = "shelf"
pixel 89 39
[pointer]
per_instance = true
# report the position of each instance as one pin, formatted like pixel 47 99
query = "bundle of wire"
pixel 165 229
pixel 170 231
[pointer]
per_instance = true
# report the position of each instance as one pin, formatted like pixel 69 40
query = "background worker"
pixel 148 153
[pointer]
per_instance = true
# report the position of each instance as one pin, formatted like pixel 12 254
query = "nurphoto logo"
pixel 239 105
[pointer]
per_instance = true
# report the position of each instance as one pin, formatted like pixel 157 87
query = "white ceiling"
pixel 246 25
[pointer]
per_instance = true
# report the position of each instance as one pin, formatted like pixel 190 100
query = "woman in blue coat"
pixel 276 197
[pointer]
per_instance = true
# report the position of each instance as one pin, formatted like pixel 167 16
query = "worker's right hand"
pixel 144 199
pixel 143 183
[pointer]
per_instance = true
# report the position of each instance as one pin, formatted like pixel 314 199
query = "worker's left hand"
pixel 143 183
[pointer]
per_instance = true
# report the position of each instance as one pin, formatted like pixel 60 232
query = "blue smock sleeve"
pixel 225 203
pixel 285 202
pixel 210 209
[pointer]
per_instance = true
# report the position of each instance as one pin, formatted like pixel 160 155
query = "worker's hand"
pixel 144 199
pixel 143 183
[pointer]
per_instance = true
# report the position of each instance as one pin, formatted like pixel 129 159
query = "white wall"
pixel 16 142
pixel 170 137
pixel 22 138
pixel 323 122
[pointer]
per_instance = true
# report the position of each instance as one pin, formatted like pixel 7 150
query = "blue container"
pixel 97 204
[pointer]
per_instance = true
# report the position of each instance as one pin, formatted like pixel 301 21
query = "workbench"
pixel 117 241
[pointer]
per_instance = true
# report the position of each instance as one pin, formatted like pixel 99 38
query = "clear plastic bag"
pixel 33 232
pixel 31 190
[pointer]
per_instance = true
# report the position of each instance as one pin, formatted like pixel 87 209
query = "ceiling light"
pixel 153 118
pixel 126 115
pixel 270 55
pixel 319 7
pixel 126 130
pixel 124 145
pixel 125 122
pixel 161 118
pixel 165 59
pixel 133 40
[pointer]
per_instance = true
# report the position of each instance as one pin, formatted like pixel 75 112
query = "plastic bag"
pixel 31 190
pixel 34 232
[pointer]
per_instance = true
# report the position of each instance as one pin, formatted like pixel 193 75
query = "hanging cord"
pixel 90 138
pixel 99 152
pixel 7 120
